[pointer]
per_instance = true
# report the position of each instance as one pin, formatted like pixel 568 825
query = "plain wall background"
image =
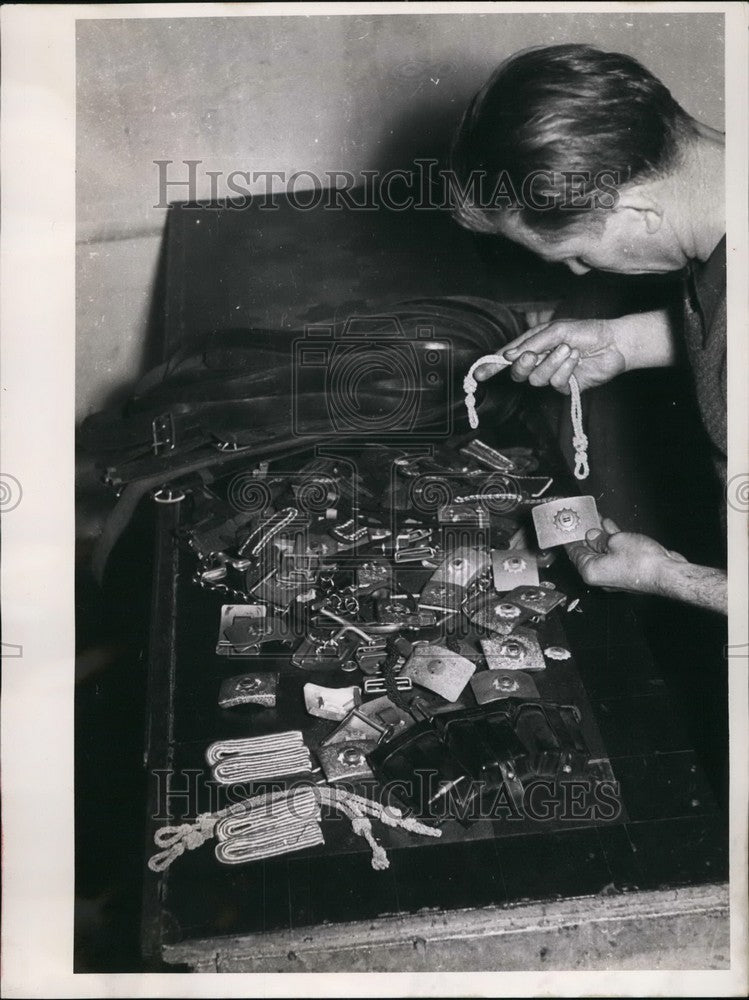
pixel 293 93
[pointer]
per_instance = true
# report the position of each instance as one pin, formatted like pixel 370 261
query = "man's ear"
pixel 637 199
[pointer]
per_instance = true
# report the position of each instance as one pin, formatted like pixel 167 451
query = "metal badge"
pixel 492 685
pixel 330 703
pixel 537 600
pixel 519 651
pixel 440 670
pixel 346 762
pixel 441 596
pixel 497 614
pixel 248 689
pixel 462 567
pixel 514 568
pixel 565 520
pixel 557 653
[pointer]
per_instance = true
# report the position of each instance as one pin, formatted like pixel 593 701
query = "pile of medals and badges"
pixel 411 585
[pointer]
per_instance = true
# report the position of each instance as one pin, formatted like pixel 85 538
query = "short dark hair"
pixel 582 121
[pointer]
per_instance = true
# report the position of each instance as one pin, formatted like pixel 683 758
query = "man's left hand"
pixel 622 560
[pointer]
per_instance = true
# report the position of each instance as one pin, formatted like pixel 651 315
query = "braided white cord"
pixel 257 767
pixel 249 830
pixel 223 749
pixel 362 827
pixel 579 440
pixel 291 824
pixel 262 810
pixel 175 840
pixel 289 513
pixel 266 530
pixel 358 809
pixel 240 850
pixel 470 384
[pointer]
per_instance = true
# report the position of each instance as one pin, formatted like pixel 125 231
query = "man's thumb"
pixel 597 540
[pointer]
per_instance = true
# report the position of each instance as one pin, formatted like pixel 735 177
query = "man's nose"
pixel 576 267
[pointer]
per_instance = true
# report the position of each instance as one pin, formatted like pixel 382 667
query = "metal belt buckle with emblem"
pixel 462 566
pixel 492 685
pixel 514 568
pixel 537 600
pixel 446 588
pixel 568 519
pixel 497 614
pixel 519 651
pixel 438 669
pixel 346 761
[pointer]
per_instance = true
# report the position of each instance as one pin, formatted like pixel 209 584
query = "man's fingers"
pixel 611 526
pixel 560 380
pixel 545 369
pixel 488 371
pixel 517 345
pixel 540 340
pixel 524 365
pixel 581 556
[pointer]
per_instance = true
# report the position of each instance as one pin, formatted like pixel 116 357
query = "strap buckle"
pixel 163 433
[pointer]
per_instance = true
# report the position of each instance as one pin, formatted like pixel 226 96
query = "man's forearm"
pixel 645 340
pixel 700 586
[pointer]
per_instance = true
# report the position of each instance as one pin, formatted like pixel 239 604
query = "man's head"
pixel 565 151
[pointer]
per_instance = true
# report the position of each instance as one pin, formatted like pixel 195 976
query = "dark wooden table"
pixel 646 890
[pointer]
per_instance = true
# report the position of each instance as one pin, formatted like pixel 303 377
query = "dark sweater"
pixel 705 335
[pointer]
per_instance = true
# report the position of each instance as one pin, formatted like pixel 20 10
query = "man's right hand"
pixel 548 354
pixel 594 350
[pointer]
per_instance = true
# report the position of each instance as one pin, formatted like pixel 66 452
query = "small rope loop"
pixel 470 384
pixel 170 835
pixel 178 839
pixel 161 861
